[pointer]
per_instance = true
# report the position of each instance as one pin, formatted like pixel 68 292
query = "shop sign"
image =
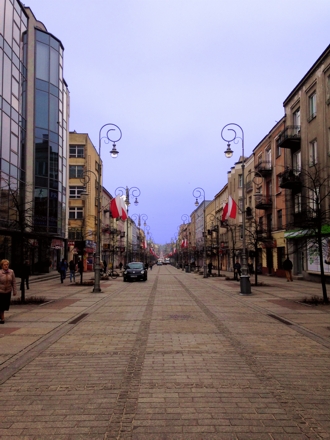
pixel 57 243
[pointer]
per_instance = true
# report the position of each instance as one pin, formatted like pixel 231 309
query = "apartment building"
pixel 268 217
pixel 34 112
pixel 305 142
pixel 84 163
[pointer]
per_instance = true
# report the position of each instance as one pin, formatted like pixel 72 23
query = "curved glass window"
pixel 42 64
pixel 41 106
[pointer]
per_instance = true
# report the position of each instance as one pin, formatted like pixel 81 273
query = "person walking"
pixel 26 272
pixel 209 266
pixel 287 266
pixel 81 269
pixel 72 268
pixel 7 286
pixel 63 267
pixel 237 270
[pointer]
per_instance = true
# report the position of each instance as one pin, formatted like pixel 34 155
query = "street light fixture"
pixel 114 154
pixel 135 192
pixel 245 278
pixel 197 193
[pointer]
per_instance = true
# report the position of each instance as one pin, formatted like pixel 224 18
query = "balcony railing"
pixel 263 202
pixel 290 137
pixel 264 168
pixel 290 179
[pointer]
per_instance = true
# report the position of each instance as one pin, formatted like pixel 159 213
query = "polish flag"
pixel 229 210
pixel 123 209
pixel 115 207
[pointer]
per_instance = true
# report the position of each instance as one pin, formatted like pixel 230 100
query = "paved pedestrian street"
pixel 176 357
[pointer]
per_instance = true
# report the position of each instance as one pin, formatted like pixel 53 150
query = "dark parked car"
pixel 135 271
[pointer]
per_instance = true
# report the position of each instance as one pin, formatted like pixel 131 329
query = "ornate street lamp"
pixel 245 278
pixel 138 218
pixel 135 192
pixel 109 137
pixel 197 193
pixel 215 228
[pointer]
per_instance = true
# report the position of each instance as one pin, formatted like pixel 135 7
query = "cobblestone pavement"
pixel 177 357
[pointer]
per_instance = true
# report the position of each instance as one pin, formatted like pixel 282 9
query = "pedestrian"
pixel 81 269
pixel 287 266
pixel 151 264
pixel 105 265
pixel 237 270
pixel 209 266
pixel 120 266
pixel 62 268
pixel 7 285
pixel 72 268
pixel 26 272
pixel 250 267
pixel 146 266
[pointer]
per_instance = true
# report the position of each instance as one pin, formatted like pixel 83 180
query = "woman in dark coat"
pixel 7 285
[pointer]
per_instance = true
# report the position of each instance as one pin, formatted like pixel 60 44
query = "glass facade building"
pixel 33 139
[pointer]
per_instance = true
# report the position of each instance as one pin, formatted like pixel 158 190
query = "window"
pixel 76 171
pixel 313 153
pixel 240 204
pixel 296 121
pixel 74 234
pixel 75 192
pixel 76 212
pixel 240 181
pixel 297 203
pixel 314 201
pixel 268 158
pixel 77 151
pixel 296 162
pixel 279 219
pixel 278 148
pixel 328 90
pixel 312 106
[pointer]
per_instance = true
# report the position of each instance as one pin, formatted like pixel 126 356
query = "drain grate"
pixel 280 319
pixel 79 318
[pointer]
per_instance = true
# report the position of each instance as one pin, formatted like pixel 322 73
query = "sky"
pixel 171 74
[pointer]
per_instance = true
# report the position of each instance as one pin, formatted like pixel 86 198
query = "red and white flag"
pixel 229 210
pixel 123 209
pixel 115 207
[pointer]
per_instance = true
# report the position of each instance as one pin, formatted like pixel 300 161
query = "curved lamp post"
pixel 109 137
pixel 135 192
pixel 197 193
pixel 216 228
pixel 232 136
pixel 138 218
pixel 186 219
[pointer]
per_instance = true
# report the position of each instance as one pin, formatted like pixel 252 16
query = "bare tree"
pixel 309 200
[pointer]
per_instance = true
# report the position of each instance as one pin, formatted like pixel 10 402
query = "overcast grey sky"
pixel 171 74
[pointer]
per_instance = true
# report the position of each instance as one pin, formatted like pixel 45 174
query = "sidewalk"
pixel 178 357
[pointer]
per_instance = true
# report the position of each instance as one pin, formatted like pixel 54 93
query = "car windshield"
pixel 135 266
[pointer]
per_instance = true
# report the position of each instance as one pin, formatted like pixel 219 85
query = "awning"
pixel 300 233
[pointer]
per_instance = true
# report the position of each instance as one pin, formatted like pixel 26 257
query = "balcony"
pixel 263 202
pixel 264 168
pixel 290 138
pixel 291 180
pixel 249 186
